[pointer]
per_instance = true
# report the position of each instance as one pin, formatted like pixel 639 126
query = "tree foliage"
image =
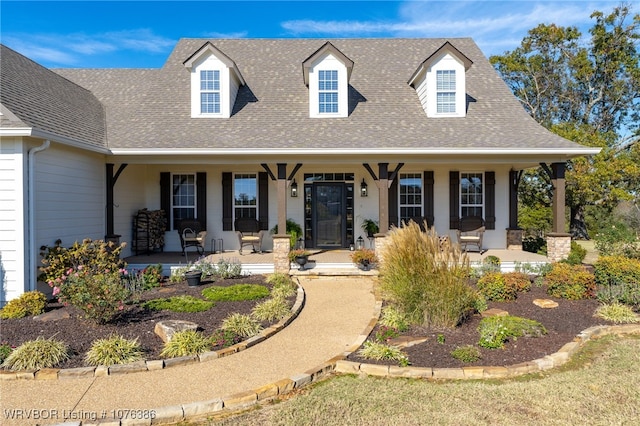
pixel 588 93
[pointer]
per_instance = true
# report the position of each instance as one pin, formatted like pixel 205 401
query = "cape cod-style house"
pixel 325 132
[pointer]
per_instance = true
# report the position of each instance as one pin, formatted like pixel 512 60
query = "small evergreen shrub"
pixel 380 351
pixel 394 318
pixel 496 330
pixel 534 244
pixel 618 280
pixel 466 353
pixel 572 282
pixel 36 354
pixel 30 303
pixel 5 350
pixel 113 350
pixel 183 303
pixel 242 325
pixel 576 254
pixel 271 309
pixel 152 276
pixel 384 333
pixel 427 284
pixel 617 313
pixel 224 338
pixel 236 293
pixel 493 286
pixel 185 343
pixel 518 281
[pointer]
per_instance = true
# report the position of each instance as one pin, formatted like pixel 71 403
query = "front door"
pixel 329 214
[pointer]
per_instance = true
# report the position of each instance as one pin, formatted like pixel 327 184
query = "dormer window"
pixel 326 73
pixel 210 92
pixel 440 83
pixel 328 91
pixel 446 91
pixel 215 81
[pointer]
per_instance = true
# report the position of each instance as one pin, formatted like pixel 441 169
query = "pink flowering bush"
pixel 99 293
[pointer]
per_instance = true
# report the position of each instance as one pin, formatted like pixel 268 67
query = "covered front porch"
pixel 321 262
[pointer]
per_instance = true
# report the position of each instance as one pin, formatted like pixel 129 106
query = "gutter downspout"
pixel 32 214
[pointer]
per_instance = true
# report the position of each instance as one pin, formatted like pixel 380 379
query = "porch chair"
pixel 470 232
pixel 249 233
pixel 192 235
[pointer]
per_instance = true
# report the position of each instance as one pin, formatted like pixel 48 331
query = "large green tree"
pixel 587 91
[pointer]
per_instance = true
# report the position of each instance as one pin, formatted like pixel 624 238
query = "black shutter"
pixel 394 213
pixel 165 197
pixel 227 201
pixel 490 200
pixel 263 199
pixel 201 196
pixel 454 200
pixel 429 199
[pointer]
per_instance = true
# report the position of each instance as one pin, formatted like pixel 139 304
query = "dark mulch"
pixel 134 322
pixel 562 323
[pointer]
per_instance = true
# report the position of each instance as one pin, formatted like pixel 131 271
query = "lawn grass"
pixel 592 253
pixel 599 386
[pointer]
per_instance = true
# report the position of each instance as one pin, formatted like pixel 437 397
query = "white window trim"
pixel 446 63
pixel 233 200
pixel 419 176
pixel 213 91
pixel 195 195
pixel 328 63
pixel 481 205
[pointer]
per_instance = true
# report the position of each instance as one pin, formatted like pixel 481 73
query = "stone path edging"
pixel 157 364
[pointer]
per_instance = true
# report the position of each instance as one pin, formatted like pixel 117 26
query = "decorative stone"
pixel 494 312
pixel 406 341
pixel 166 329
pixel 545 303
pixel 56 314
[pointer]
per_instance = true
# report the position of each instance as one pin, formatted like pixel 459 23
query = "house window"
pixel 446 91
pixel 183 199
pixel 245 195
pixel 410 192
pixel 328 91
pixel 210 92
pixel 471 195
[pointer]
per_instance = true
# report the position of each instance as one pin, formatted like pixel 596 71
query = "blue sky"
pixel 98 34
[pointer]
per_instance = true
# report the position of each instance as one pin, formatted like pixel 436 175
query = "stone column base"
pixel 558 246
pixel 514 238
pixel 281 248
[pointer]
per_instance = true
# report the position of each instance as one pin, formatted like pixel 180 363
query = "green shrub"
pixel 152 276
pixel 480 303
pixel 183 303
pixel 534 244
pixel 93 254
pixel 226 269
pixel 618 280
pixel 236 292
pixel 393 317
pixel 613 240
pixel 99 294
pixel 427 285
pixel 493 286
pixel 113 350
pixel 185 343
pixel 617 313
pixel 36 354
pixel 5 350
pixel 572 282
pixel 271 309
pixel 380 351
pixel 31 303
pixel 242 325
pixel 466 353
pixel 496 330
pixel 518 281
pixel 576 255
pixel 384 333
pixel 278 279
pixel 224 338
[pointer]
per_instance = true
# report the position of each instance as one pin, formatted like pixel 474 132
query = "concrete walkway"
pixel 335 315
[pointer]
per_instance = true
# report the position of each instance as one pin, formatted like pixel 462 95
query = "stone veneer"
pixel 281 248
pixel 558 246
pixel 514 238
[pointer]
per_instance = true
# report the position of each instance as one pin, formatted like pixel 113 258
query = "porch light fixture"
pixel 363 189
pixel 360 243
pixel 294 188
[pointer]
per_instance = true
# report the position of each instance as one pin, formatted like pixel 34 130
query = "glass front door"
pixel 329 214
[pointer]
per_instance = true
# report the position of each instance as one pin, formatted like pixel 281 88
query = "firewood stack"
pixel 148 230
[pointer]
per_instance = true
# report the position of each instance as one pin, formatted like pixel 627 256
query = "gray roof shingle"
pixel 47 102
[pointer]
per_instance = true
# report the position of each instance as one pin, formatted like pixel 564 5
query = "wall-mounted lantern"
pixel 294 188
pixel 364 191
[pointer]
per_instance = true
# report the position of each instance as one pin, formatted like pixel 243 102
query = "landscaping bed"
pixel 133 322
pixel 562 323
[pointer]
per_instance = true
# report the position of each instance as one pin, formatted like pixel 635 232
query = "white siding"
pixel 12 222
pixel 128 198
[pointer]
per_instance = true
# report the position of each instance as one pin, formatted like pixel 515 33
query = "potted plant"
pixel 364 258
pixel 293 229
pixel 193 277
pixel 370 226
pixel 299 256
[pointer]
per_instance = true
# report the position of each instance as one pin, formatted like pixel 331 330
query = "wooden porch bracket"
pixel 268 170
pixel 111 182
pixel 383 181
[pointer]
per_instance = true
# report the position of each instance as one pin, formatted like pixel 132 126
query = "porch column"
pixel 282 198
pixel 111 182
pixel 514 233
pixel 558 241
pixel 383 194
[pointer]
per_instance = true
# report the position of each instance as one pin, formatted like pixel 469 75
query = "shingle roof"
pixel 43 100
pixel 150 108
